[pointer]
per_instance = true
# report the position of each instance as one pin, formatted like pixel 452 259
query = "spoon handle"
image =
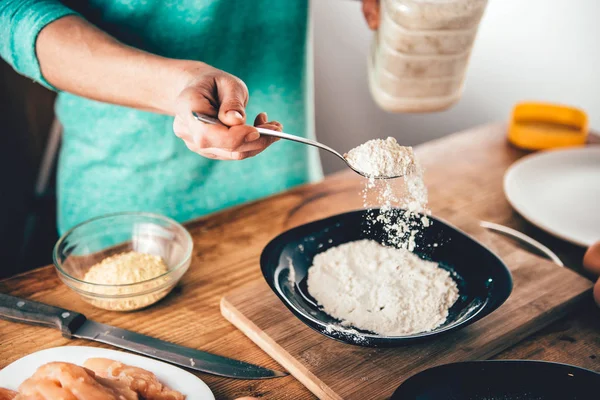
pixel 268 132
pixel 522 237
pixel 299 139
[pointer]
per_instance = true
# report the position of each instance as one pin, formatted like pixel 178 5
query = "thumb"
pixel 233 97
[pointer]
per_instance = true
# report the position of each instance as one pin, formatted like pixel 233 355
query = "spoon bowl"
pixel 268 132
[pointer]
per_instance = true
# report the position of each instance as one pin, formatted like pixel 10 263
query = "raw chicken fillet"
pixel 99 379
pixel 65 381
pixel 142 382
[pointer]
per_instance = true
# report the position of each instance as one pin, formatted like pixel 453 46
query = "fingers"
pixel 371 11
pixel 217 94
pixel 220 154
pixel 195 98
pixel 240 153
pixel 233 97
pixel 208 136
pixel 260 119
pixel 237 155
pixel 260 144
pixel 220 137
pixel 273 125
pixel 261 122
pixel 218 141
pixel 213 148
pixel 278 126
pixel 246 150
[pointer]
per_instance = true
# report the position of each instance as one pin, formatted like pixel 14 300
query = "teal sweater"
pixel 119 159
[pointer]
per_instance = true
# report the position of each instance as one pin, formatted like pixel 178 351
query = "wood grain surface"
pixel 464 174
pixel 543 292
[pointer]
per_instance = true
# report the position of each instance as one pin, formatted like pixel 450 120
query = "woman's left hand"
pixel 371 10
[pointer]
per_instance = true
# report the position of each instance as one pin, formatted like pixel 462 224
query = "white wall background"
pixel 545 50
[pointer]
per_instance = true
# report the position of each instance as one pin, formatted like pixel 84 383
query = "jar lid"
pixel 537 126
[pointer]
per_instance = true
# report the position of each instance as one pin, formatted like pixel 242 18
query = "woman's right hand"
pixel 213 92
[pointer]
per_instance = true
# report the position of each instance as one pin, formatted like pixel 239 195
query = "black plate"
pixel 501 380
pixel 483 280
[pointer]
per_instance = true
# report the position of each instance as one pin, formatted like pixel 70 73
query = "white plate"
pixel 559 191
pixel 175 378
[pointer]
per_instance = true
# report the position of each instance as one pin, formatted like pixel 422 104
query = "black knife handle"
pixel 31 312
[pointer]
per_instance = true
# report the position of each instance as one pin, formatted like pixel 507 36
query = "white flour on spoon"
pixel 382 157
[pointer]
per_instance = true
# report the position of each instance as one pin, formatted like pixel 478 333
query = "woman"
pixel 130 72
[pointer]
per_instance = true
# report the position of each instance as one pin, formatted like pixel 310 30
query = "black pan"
pixel 501 380
pixel 483 280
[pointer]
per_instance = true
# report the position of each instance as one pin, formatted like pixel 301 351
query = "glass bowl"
pixel 92 241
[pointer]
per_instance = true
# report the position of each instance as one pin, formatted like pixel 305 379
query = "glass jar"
pixel 420 53
pixel 435 14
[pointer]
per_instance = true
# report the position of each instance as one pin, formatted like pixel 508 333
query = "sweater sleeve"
pixel 20 23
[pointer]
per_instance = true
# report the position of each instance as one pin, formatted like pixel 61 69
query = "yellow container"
pixel 538 126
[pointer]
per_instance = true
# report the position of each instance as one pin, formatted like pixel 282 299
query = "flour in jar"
pixel 385 290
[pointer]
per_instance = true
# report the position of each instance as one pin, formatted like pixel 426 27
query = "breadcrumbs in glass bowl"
pixel 123 261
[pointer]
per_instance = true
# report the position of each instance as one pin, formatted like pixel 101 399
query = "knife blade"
pixel 73 324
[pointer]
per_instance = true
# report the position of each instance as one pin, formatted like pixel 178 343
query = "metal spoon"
pixel 268 132
pixel 523 238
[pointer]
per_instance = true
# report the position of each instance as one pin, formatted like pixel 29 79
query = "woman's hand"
pixel 371 11
pixel 216 93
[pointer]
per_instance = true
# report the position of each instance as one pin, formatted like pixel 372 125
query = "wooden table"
pixel 463 173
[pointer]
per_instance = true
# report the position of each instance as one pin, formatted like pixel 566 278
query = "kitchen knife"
pixel 75 325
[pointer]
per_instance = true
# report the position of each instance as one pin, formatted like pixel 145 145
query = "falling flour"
pixel 381 289
pixel 387 289
pixel 393 203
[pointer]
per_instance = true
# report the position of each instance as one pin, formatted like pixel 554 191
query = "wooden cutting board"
pixel 543 292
